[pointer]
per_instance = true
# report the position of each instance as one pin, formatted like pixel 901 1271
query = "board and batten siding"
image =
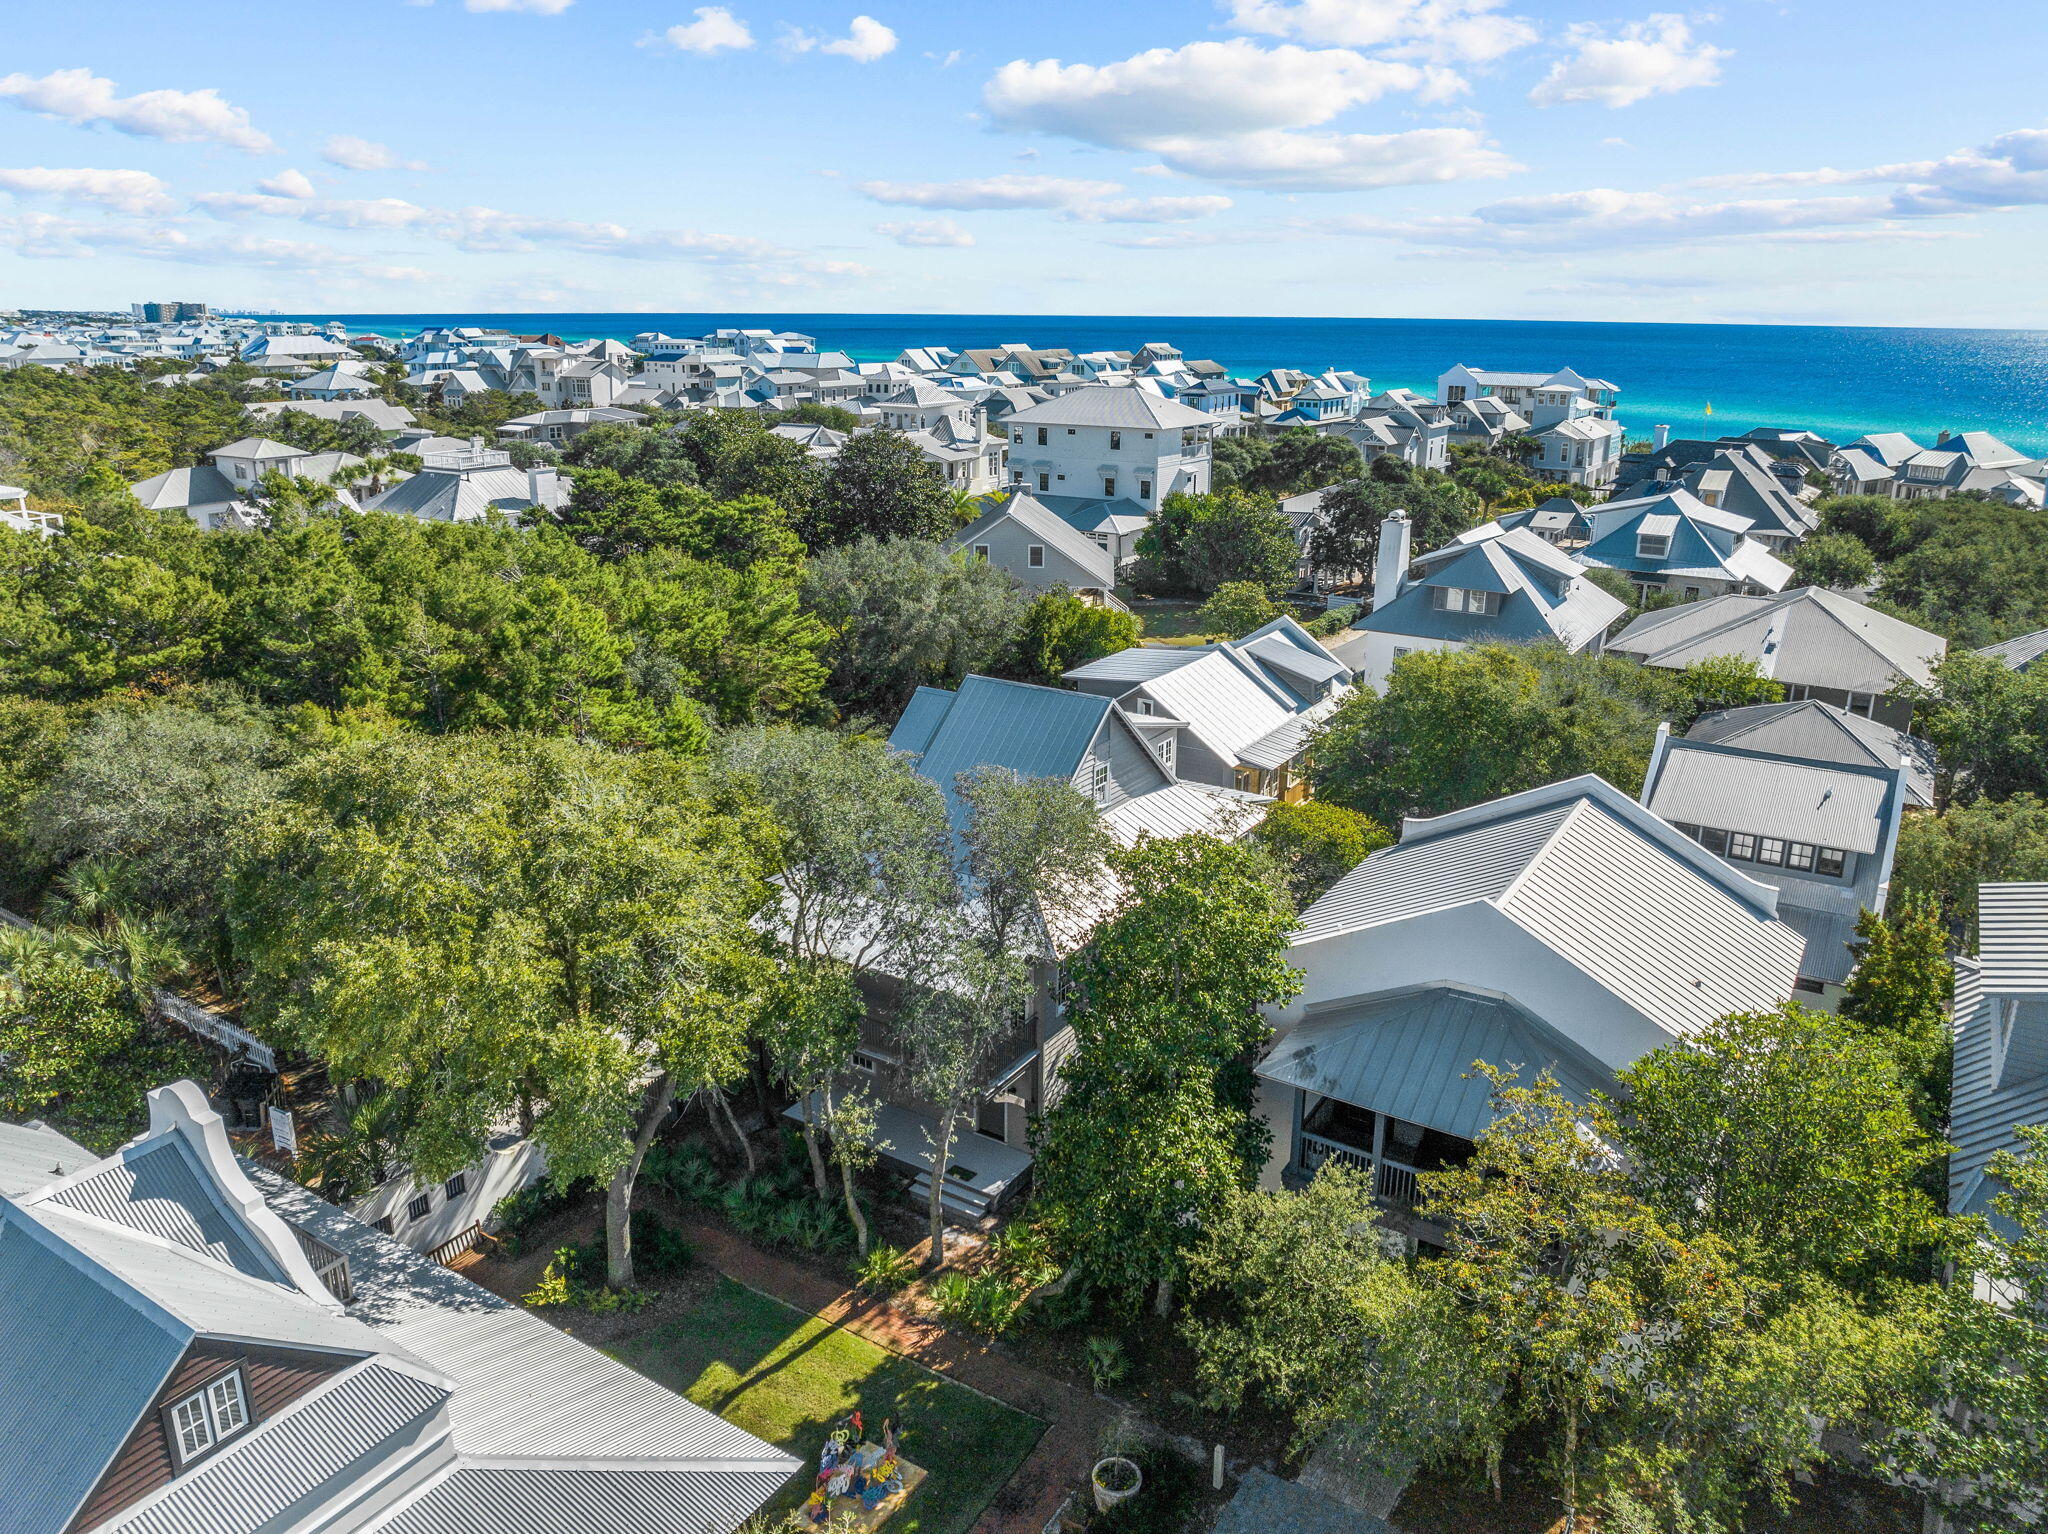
pixel 1133 769
pixel 273 1378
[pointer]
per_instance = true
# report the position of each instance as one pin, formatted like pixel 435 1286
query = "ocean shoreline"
pixel 1841 381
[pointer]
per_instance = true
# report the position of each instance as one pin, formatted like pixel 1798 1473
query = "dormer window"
pixel 1460 599
pixel 1653 545
pixel 201 1422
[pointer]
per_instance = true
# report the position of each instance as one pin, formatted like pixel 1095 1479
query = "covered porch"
pixel 1387 1085
pixel 981 1171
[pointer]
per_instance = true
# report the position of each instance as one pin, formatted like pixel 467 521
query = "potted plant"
pixel 1115 1479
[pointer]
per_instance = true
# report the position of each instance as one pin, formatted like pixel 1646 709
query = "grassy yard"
pixel 788 1377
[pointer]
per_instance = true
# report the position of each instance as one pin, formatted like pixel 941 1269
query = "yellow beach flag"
pixel 1710 407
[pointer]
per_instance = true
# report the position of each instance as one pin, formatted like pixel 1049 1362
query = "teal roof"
pixel 1410 1054
pixel 82 1360
pixel 1036 732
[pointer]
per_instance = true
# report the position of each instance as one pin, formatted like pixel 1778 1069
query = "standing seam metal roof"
pixel 509 1500
pixel 156 1188
pixel 1735 789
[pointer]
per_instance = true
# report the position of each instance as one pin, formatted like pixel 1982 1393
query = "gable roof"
pixel 108 1274
pixel 2019 653
pixel 1036 732
pixel 1819 732
pixel 1808 635
pixel 1645 913
pixel 1049 529
pixel 1544 593
pixel 1111 405
pixel 1224 700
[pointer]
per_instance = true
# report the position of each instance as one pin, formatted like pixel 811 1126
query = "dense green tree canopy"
pixel 1197 543
pixel 1316 843
pixel 879 485
pixel 905 614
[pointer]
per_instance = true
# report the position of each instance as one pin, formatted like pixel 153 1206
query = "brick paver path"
pixel 1075 1418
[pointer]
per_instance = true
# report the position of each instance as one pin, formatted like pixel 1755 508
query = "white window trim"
pixel 1034 556
pixel 214 1413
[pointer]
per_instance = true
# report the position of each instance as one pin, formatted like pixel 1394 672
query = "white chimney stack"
pixel 1391 573
pixel 539 482
pixel 1660 437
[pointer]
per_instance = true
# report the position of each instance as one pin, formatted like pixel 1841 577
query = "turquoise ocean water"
pixel 1840 381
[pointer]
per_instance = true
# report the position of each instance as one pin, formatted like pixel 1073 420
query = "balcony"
pixel 1392 1182
pixel 329 1266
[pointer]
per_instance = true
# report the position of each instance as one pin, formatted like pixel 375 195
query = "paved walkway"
pixel 1075 1418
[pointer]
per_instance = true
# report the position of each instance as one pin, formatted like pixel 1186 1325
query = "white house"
pixel 1677 544
pixel 1119 442
pixel 1543 399
pixel 1565 929
pixel 2000 1021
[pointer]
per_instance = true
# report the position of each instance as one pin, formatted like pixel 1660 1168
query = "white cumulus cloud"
pixel 178 117
pixel 927 231
pixel 866 40
pixel 716 30
pixel 1340 162
pixel 1471 31
pixel 1010 191
pixel 1619 67
pixel 1207 89
pixel 352 153
pixel 1236 112
pixel 288 183
pixel 125 191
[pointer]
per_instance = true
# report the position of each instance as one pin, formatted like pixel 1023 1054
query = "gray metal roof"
pixel 2012 938
pixel 1111 405
pixel 1140 663
pixel 2019 653
pixel 157 1188
pixel 79 1362
pixel 522 1387
pixel 473 1500
pixel 1225 700
pixel 920 720
pixel 1048 528
pixel 1411 1055
pixel 1829 804
pixel 1823 639
pixel 1820 732
pixel 33 1155
pixel 1983 1114
pixel 1181 808
pixel 366 1414
pixel 1828 935
pixel 1644 912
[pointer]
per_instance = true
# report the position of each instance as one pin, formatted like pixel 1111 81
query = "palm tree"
pixel 966 506
pixel 362 1155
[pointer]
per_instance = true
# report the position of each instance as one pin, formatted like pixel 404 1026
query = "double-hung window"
pixel 1108 488
pixel 200 1422
pixel 1653 545
pixel 1116 441
pixel 1460 599
pixel 1041 436
pixel 1034 556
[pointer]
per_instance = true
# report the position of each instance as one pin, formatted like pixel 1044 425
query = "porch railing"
pixel 1393 1181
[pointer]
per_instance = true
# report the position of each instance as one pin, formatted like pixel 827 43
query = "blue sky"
pixel 1854 161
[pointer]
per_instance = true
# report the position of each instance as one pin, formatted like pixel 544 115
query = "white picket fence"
pixel 187 1014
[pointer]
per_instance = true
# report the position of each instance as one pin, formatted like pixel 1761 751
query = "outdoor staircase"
pixel 964 1203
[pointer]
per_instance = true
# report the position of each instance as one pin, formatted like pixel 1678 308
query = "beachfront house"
pixel 1565 929
pixel 189 1342
pixel 1542 399
pixel 1817 643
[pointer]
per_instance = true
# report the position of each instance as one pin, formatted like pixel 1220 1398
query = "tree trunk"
pixel 815 1106
pixel 860 1221
pixel 942 1156
pixel 739 1134
pixel 618 1199
pixel 764 1099
pixel 1162 1298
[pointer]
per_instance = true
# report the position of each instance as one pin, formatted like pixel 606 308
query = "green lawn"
pixel 788 1377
